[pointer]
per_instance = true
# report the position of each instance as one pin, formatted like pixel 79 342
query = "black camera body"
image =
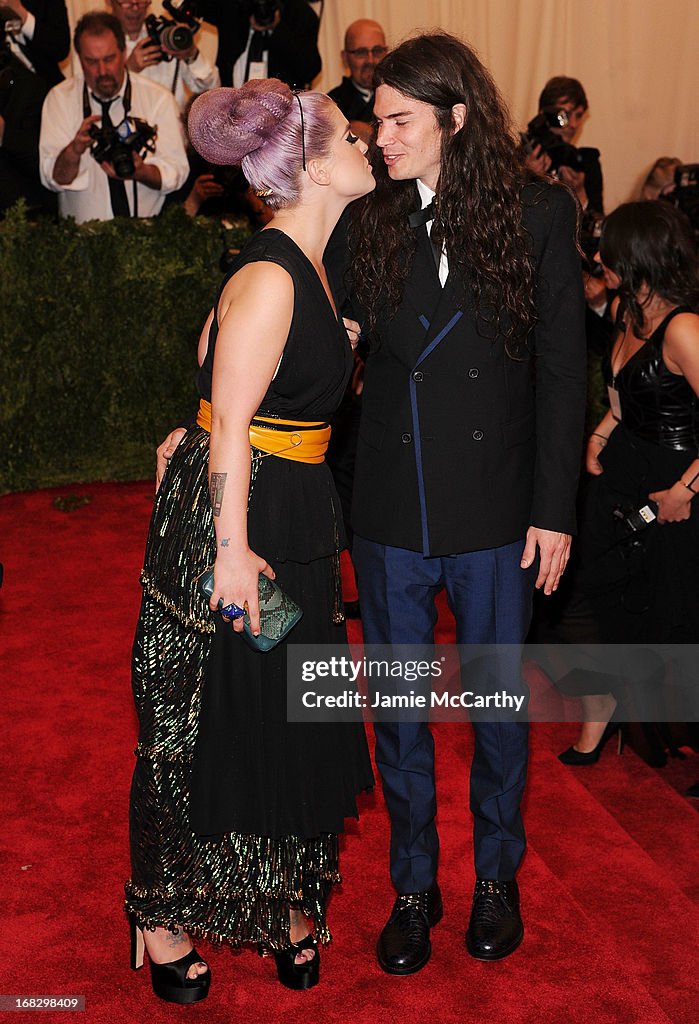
pixel 177 34
pixel 559 152
pixel 118 144
pixel 685 195
pixel 634 520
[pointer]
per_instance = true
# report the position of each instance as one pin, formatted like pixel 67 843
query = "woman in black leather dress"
pixel 644 588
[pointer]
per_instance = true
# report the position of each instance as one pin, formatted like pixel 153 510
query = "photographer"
pixel 128 109
pixel 365 46
pixel 265 39
pixel 562 110
pixel 182 72
pixel 38 35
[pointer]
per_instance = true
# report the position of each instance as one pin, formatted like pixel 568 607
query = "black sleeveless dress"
pixel 234 811
pixel 643 587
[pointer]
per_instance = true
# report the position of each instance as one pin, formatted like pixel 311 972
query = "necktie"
pixel 117 188
pixel 258 44
pixel 420 217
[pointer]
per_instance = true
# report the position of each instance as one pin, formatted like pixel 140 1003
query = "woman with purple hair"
pixel 235 811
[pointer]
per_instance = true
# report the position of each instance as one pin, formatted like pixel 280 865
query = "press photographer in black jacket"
pixel 286 31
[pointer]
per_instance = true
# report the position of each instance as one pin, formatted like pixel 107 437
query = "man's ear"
pixel 318 171
pixel 458 117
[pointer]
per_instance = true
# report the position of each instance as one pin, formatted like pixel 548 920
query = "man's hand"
pixel 538 161
pixel 189 54
pixel 67 165
pixel 144 54
pixel 165 452
pixel 205 187
pixel 147 174
pixel 554 552
pixel 83 140
pixel 595 292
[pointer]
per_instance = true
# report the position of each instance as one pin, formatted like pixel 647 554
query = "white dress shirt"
pixel 426 197
pixel 87 196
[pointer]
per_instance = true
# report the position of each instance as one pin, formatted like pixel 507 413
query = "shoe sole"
pixel 494 956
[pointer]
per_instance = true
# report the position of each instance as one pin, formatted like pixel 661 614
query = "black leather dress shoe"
pixel 404 944
pixel 495 929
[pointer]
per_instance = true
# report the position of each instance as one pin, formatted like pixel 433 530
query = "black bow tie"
pixel 419 217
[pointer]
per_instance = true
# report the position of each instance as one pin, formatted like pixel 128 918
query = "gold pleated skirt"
pixel 231 888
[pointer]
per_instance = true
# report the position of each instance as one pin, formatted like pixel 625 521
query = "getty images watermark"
pixel 489 682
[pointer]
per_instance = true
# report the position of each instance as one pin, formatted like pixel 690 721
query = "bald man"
pixel 365 46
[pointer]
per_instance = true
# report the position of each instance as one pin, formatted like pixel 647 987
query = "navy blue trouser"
pixel 491 599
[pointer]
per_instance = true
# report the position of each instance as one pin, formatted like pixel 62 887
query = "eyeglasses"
pixel 377 52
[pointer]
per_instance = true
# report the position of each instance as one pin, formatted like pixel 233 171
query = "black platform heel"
pixel 577 757
pixel 291 974
pixel 170 981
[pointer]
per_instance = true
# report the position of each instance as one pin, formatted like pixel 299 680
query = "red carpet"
pixel 610 887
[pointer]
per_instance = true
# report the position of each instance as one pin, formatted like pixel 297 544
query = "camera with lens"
pixel 117 145
pixel 265 11
pixel 539 133
pixel 178 34
pixel 685 195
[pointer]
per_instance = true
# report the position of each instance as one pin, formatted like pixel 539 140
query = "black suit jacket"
pixel 51 42
pixel 462 447
pixel 293 46
pixel 19 153
pixel 351 102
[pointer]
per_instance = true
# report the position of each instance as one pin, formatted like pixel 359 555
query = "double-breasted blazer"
pixel 461 446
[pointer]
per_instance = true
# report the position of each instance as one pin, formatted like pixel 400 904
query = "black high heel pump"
pixel 576 757
pixel 170 981
pixel 299 976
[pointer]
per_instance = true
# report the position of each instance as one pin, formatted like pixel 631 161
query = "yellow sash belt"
pixel 298 440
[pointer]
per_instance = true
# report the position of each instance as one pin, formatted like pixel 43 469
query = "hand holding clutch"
pixel 278 613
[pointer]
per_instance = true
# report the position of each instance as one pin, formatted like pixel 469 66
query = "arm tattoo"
pixel 217 484
pixel 225 541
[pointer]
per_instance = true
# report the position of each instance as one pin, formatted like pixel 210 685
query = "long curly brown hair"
pixel 478 205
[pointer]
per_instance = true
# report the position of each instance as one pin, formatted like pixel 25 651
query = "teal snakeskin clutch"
pixel 278 613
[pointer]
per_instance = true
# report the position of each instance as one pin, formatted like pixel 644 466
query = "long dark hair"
pixel 651 244
pixel 478 206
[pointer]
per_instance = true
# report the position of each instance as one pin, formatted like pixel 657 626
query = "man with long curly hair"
pixel 468 283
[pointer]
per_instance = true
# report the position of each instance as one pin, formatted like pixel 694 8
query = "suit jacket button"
pixel 406 438
pixel 473 372
pixel 477 435
pixel 418 376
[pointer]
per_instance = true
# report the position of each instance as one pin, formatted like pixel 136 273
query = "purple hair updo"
pixel 259 128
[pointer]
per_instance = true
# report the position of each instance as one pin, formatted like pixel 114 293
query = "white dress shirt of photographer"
pixel 187 74
pixel 72 107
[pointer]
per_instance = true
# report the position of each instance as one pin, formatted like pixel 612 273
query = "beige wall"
pixel 636 59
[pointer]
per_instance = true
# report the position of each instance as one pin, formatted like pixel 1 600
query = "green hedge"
pixel 99 325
